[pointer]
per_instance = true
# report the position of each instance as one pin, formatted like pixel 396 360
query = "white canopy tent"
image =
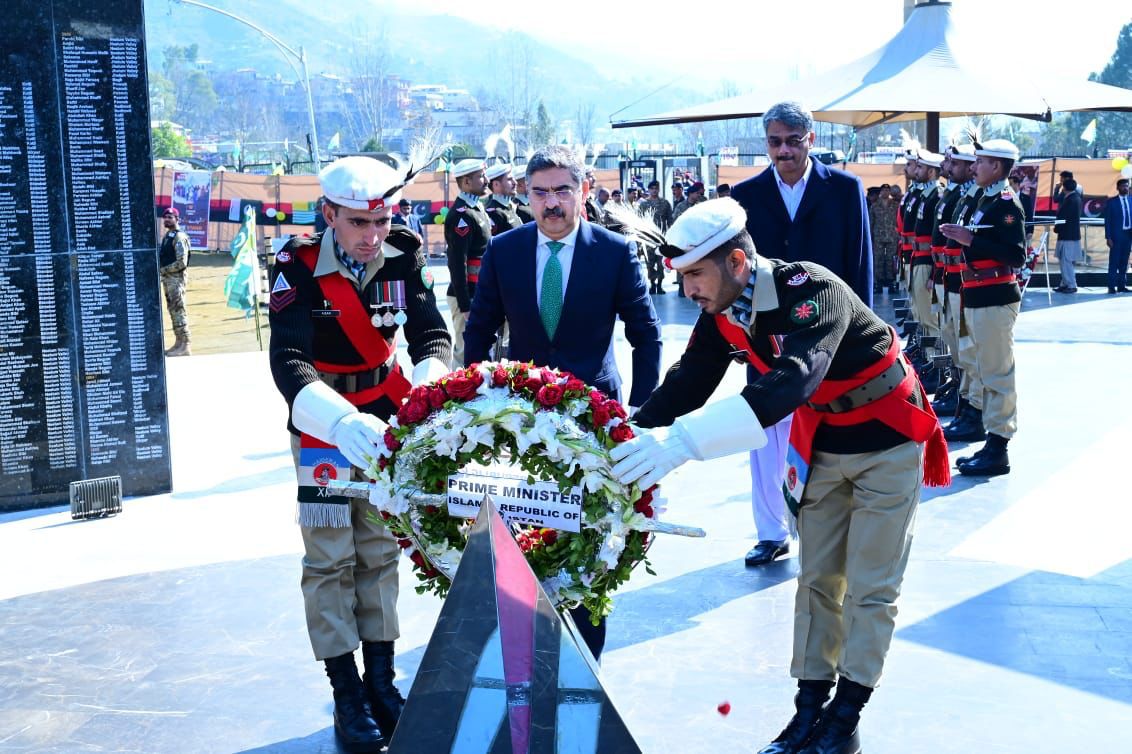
pixel 930 69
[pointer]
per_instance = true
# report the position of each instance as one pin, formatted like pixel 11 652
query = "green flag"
pixel 242 285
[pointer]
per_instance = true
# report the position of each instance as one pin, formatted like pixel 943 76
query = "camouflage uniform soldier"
pixel 659 210
pixel 173 260
pixel 882 222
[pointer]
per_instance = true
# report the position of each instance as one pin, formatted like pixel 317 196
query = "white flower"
pixel 513 423
pixel 385 498
pixel 590 461
pixel 448 440
pixel 593 481
pixel 478 434
pixel 611 550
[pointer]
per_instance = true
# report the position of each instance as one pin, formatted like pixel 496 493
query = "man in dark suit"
pixel 799 210
pixel 1068 236
pixel 561 282
pixel 1118 236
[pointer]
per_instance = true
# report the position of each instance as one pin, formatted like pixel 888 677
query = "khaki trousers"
pixel 970 387
pixel 349 581
pixel 459 319
pixel 947 328
pixel 921 292
pixel 992 328
pixel 854 532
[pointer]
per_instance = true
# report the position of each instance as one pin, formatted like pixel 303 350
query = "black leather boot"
pixel 969 427
pixel 961 462
pixel 353 725
pixel 808 702
pixel 837 731
pixel 384 699
pixel 992 460
pixel 960 409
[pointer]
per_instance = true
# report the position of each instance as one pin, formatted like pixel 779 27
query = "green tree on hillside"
pixel 168 144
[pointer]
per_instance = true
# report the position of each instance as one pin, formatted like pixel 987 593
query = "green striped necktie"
pixel 550 304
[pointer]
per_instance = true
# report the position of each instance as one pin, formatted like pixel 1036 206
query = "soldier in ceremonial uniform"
pixel 338 302
pixel 920 285
pixel 522 201
pixel 957 169
pixel 993 246
pixel 173 260
pixel 906 217
pixel 857 456
pixel 466 231
pixel 500 209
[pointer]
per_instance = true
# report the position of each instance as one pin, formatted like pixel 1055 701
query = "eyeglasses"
pixel 791 141
pixel 562 193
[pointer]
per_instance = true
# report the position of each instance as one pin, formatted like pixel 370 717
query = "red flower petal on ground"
pixel 724 708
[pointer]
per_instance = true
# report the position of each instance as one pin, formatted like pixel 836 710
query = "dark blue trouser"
pixel 1118 260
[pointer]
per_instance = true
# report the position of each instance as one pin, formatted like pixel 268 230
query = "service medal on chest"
pixel 400 317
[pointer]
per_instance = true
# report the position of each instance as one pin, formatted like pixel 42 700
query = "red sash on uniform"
pixel 893 410
pixel 472 269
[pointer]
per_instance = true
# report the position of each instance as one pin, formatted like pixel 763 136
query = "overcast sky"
pixel 746 40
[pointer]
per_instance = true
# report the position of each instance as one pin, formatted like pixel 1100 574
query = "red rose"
pixel 419 393
pixel 549 536
pixel 405 544
pixel 385 515
pixel 382 463
pixel 417 558
pixel 642 507
pixel 499 377
pixel 391 442
pixel 621 433
pixel 574 385
pixel 646 496
pixel 436 397
pixel 475 376
pixel 549 377
pixel 596 398
pixel 550 395
pixel 413 412
pixel 461 388
pixel 431 573
pixel 431 509
pixel 601 415
pixel 534 384
pixel 617 410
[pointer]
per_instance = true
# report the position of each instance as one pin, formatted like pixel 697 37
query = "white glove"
pixel 650 455
pixel 429 370
pixel 320 412
pixel 357 435
pixel 718 429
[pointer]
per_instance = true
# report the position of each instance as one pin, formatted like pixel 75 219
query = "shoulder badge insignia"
pixel 426 277
pixel 1007 194
pixel 461 209
pixel 281 284
pixel 283 257
pixel 805 312
pixel 798 279
pixel 1010 219
pixel 462 228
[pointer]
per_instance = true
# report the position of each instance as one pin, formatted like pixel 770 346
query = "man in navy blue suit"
pixel 799 211
pixel 1118 236
pixel 561 283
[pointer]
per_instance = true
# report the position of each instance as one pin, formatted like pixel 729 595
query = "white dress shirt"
pixel 792 195
pixel 565 257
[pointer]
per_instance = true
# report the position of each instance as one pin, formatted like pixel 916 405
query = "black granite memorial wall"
pixel 82 374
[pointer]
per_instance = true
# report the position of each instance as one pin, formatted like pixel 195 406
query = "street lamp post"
pixel 288 52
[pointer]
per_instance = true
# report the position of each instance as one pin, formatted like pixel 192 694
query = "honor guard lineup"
pixel 961 246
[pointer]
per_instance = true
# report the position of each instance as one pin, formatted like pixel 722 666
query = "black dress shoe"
pixel 961 462
pixel 1112 291
pixel 808 704
pixel 766 552
pixel 967 428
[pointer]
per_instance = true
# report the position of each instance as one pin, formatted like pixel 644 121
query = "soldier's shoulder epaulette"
pixel 1007 194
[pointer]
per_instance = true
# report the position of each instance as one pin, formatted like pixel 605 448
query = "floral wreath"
pixel 546 422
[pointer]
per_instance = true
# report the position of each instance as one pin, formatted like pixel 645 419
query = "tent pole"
pixel 933 132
